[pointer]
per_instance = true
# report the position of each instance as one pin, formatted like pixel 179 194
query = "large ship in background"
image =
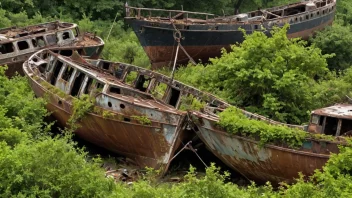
pixel 203 35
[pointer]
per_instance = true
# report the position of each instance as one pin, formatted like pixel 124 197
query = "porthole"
pixel 109 104
pixel 122 106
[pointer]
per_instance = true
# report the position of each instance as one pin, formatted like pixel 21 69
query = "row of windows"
pixel 312 15
pixel 39 41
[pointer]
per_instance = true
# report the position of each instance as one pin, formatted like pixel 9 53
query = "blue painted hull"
pixel 203 41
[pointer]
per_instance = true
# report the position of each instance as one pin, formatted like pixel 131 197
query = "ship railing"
pixel 172 14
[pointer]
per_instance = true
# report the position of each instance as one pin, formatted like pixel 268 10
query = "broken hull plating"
pixel 201 42
pixel 147 146
pixel 267 163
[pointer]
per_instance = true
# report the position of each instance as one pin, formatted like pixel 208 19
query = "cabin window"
pixel 23 34
pixel 106 65
pixel 115 90
pixel 346 127
pixel 65 35
pixel 130 78
pixel 315 119
pixel 51 39
pixel 318 13
pixel 311 15
pixel 67 53
pixel 159 90
pixel 34 43
pixel 78 83
pixel 38 42
pixel 22 45
pixel 119 71
pixel 76 32
pixel 99 85
pixel 330 126
pixel 57 69
pixel 255 27
pixel 67 73
pixel 307 17
pixel 44 56
pixel 42 67
pixel 88 86
pixel 175 95
pixel 97 88
pixel 142 83
pixel 6 48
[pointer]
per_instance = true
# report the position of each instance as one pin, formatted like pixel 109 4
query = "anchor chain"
pixel 178 36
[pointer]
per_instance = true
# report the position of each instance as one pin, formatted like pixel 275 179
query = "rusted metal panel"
pixel 269 163
pixel 337 111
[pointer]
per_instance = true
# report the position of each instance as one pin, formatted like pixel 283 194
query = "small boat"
pixel 275 162
pixel 203 35
pixel 18 44
pixel 136 111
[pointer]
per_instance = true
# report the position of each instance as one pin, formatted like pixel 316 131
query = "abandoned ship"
pixel 17 44
pixel 202 35
pixel 147 117
pixel 275 162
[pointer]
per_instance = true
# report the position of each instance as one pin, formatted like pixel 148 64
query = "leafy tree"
pixel 50 168
pixel 337 40
pixel 271 76
pixel 344 12
pixel 4 21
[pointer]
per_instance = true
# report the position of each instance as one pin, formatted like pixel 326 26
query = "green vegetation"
pixel 131 77
pixel 235 122
pixel 52 89
pixel 108 114
pixel 80 107
pixel 142 120
pixel 191 103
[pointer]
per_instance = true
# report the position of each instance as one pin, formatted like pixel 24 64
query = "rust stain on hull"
pixel 162 56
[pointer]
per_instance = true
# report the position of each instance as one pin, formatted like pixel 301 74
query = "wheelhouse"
pixel 334 120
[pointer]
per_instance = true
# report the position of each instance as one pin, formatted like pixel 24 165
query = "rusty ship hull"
pixel 112 124
pixel 268 163
pixel 18 44
pixel 204 40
